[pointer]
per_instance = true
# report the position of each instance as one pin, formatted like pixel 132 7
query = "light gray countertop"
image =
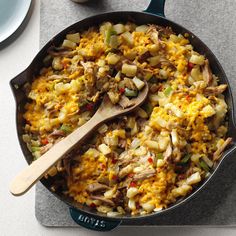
pixel 17 214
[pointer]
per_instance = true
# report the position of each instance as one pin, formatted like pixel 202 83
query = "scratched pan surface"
pixel 154 14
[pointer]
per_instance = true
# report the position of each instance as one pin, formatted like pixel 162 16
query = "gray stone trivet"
pixel 214 22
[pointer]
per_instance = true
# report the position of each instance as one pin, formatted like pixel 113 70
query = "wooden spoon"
pixel 36 170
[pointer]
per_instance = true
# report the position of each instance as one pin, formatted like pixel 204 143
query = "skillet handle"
pixel 97 223
pixel 156 7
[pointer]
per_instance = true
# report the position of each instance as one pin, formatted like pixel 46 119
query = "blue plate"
pixel 12 14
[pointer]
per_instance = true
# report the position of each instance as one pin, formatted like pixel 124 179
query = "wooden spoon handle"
pixel 35 171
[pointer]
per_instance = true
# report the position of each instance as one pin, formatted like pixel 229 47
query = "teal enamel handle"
pixel 156 7
pixel 93 222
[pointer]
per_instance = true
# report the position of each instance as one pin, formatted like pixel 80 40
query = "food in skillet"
pixel 142 162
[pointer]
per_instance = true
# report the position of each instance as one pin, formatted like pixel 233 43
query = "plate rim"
pixel 21 18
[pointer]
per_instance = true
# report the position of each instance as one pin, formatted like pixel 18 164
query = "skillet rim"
pixel 230 103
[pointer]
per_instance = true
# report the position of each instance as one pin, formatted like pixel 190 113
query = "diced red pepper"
pixel 150 160
pixel 160 88
pixel 65 65
pixel 89 106
pixel 133 184
pixel 93 205
pixel 122 90
pixel 113 161
pixel 190 66
pixel 114 177
pixel 131 175
pixel 188 98
pixel 44 141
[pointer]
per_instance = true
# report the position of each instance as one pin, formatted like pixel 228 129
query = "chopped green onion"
pixel 66 128
pixel 159 156
pixel 207 160
pixel 148 108
pixel 109 33
pixel 167 91
pixel 130 93
pixel 35 143
pixel 204 166
pixel 114 42
pixel 36 155
pixel 138 83
pixel 35 149
pixel 148 76
pixel 186 158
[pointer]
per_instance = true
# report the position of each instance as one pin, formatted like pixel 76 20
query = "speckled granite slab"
pixel 214 22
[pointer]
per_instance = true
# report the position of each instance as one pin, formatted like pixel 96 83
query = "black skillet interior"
pixel 81 214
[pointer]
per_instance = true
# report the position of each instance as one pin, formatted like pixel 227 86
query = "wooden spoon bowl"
pixel 36 170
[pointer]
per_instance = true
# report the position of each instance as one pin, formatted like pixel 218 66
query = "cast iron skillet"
pixel 83 215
